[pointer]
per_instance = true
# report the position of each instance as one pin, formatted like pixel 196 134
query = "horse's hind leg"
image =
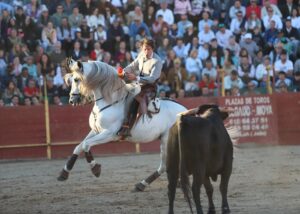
pixel 161 169
pixel 64 174
pixel 95 167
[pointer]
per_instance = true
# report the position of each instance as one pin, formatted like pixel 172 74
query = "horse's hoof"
pixel 63 175
pixel 96 170
pixel 225 210
pixel 211 211
pixel 139 187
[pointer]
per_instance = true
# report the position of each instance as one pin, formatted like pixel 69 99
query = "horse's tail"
pixel 184 178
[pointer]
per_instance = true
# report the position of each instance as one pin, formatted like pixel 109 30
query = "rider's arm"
pixel 154 74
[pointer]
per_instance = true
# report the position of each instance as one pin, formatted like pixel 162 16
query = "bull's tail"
pixel 184 178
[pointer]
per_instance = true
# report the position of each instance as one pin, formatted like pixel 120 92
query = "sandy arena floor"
pixel 264 180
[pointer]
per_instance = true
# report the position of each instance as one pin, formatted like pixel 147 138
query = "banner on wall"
pixel 255 117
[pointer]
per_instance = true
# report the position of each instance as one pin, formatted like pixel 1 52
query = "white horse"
pixel 112 97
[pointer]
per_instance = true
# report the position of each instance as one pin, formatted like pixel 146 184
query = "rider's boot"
pixel 129 122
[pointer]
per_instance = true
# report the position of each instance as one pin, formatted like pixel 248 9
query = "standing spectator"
pixel 284 65
pixel 286 9
pixel 253 7
pixel 64 34
pixel 165 12
pixel 223 35
pixel 272 17
pixel 56 17
pixel 206 35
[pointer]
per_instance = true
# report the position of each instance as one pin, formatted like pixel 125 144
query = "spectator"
pixel 292 34
pixel 85 36
pixel 253 8
pixel 57 101
pixel 100 35
pixel 232 81
pixel 121 52
pixel 162 50
pixel 189 35
pixel 237 24
pixel 284 65
pixel 22 80
pixel 249 45
pixel 68 6
pixel 193 64
pixel 204 21
pixel 64 35
pixel 177 76
pixel 246 70
pixel 75 19
pixel 251 89
pixel 31 89
pixel 33 9
pixel 27 101
pixel 150 15
pixel 77 52
pixel 233 46
pixel 191 87
pixel 180 48
pixel 267 4
pixel 237 7
pixel 49 36
pixel 86 7
pixel 203 51
pixel 295 19
pixel 286 9
pixel 57 55
pixel 45 66
pixel 158 25
pixel 264 70
pixel 272 17
pixel 210 70
pixel 169 61
pixel 181 7
pixel 114 35
pixel 3 64
pixel 136 13
pixel 20 17
pixel 296 82
pixel 206 35
pixel 14 102
pixel 207 85
pixel 35 101
pixel 56 17
pixel 44 18
pixel 10 91
pixel 253 22
pixel 282 80
pixel 97 53
pixel 16 66
pixel 165 12
pixel 32 68
pixel 223 35
pixel 183 24
pixel 95 19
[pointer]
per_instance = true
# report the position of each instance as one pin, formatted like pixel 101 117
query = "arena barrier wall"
pixel 268 119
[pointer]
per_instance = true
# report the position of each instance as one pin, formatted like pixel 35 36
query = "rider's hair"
pixel 148 42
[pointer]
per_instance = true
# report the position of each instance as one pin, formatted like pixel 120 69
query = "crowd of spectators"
pixel 251 43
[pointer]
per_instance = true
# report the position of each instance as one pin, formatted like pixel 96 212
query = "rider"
pixel 146 70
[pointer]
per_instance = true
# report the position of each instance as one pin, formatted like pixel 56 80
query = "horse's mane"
pixel 102 77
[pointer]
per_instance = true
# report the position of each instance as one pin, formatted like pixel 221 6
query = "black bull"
pixel 200 146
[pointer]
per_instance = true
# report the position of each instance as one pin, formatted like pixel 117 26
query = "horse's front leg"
pixel 64 174
pixel 139 187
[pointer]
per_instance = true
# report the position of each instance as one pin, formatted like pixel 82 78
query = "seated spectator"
pixel 16 67
pixel 10 91
pixel 64 34
pixel 237 6
pixel 295 19
pixel 246 70
pixel 75 19
pixel 3 64
pixel 44 18
pixel 97 53
pixel 33 9
pixel 271 16
pixel 15 101
pixel 206 35
pixel 266 5
pixel 32 68
pixel 189 35
pixel 232 81
pixel 49 36
pixel 45 66
pixel 228 64
pixel 207 85
pixel 210 70
pixel 286 8
pixel 121 52
pixel 249 44
pixel 181 7
pixel 191 87
pixel 23 78
pixel 57 101
pixel 258 58
pixel 158 25
pixel 180 48
pixel 95 19
pixel 31 89
pixel 167 14
pixel 56 17
pixel 164 86
pixel 233 46
pixel 137 12
pixel 100 35
pixel 183 24
pixel 223 35
pixel 253 21
pixel 193 64
pixel 263 70
pixel 68 6
pixel 237 24
pixel 204 21
pixel 85 36
pixel 27 101
pixel 283 80
pixel 193 45
pixel 284 65
pixel 115 34
pixel 203 51
pixel 31 34
pixel 77 52
pixel 253 8
pixel 177 76
pixel 57 55
pixel 2 104
pixel 296 82
pixel 251 89
pixel 162 50
pixel 35 101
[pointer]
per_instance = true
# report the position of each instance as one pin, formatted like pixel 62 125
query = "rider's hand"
pixel 130 76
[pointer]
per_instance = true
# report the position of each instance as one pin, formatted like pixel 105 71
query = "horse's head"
pixel 154 105
pixel 75 96
pixel 73 65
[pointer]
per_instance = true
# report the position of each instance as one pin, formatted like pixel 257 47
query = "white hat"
pixel 44 8
pixel 248 36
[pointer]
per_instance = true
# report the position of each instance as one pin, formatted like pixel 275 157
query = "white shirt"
pixel 285 67
pixel 233 10
pixel 223 38
pixel 167 15
pixel 261 71
pixel 203 53
pixel 193 66
pixel 203 22
pixel 229 83
pixel 235 25
pixel 276 18
pixel 93 21
pixel 205 37
pixel 296 22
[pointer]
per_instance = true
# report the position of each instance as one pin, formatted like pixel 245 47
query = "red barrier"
pixel 262 119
